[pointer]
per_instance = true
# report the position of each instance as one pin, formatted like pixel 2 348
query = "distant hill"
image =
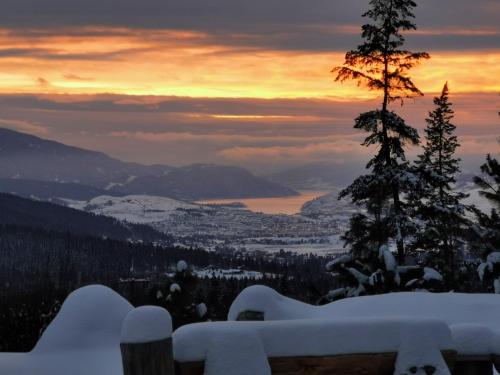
pixel 318 176
pixel 50 191
pixel 26 157
pixel 15 210
pixel 205 181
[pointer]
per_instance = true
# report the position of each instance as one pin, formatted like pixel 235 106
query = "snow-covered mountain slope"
pixel 139 209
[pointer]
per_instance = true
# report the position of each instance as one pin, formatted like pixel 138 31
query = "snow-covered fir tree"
pixel 437 204
pixel 382 64
pixel 487 229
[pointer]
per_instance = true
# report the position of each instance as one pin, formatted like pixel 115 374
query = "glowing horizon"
pixel 231 82
pixel 165 63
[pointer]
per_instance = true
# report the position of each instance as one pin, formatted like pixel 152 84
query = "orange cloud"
pixel 24 126
pixel 168 62
pixel 308 152
pixel 230 138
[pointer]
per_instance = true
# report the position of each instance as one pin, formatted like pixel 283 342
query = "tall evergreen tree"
pixel 437 203
pixel 488 228
pixel 382 64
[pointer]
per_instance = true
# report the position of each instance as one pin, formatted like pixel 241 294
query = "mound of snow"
pixel 146 324
pixel 270 302
pixel 236 352
pixel 308 337
pixel 475 339
pixel 90 317
pixel 478 312
pixel 83 339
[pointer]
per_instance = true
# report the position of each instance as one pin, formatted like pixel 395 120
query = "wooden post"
pixel 146 342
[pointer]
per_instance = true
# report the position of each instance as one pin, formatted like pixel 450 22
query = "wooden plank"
pixel 350 364
pixel 382 364
pixel 151 358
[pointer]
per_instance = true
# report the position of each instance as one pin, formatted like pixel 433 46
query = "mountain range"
pixel 75 173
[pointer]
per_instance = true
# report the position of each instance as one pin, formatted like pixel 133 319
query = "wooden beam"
pixel 349 364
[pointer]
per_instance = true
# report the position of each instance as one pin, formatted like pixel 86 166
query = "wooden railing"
pixel 155 357
pixel 139 363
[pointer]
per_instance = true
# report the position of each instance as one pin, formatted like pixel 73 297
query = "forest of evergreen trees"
pixel 39 268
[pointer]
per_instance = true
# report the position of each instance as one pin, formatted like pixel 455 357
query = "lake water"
pixel 280 205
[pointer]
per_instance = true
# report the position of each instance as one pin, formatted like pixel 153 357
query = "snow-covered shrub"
pixel 489 271
pixel 378 272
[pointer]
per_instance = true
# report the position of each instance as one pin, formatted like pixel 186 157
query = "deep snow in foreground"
pixel 85 336
pixel 83 339
pixel 314 337
pixel 473 318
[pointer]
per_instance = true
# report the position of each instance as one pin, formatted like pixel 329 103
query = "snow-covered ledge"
pixel 338 346
pixel 472 318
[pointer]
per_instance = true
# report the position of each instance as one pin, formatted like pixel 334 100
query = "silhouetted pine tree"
pixel 382 64
pixel 437 204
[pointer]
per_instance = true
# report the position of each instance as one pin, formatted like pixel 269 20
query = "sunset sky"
pixel 230 81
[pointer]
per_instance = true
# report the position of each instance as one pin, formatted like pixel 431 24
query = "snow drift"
pixel 472 318
pixel 83 339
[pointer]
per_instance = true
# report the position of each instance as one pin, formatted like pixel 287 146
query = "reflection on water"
pixel 280 205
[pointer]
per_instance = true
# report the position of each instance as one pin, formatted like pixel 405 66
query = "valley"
pixel 229 227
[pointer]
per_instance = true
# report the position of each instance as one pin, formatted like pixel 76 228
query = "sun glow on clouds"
pixel 167 62
pixel 177 97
